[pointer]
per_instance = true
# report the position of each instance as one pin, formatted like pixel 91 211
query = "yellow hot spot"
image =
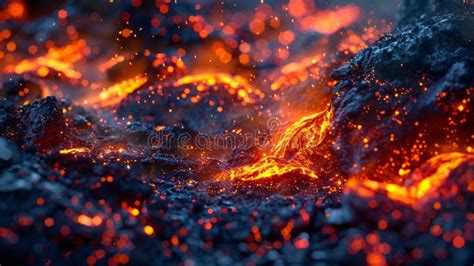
pixel 148 229
pixel 134 212
pixel 89 221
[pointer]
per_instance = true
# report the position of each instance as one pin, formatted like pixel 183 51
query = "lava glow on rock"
pixel 291 154
pixel 423 185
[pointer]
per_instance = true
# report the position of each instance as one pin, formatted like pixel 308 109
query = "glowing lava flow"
pixel 330 21
pixel 237 85
pixel 425 181
pixel 299 140
pixel 116 93
pixel 57 59
pixel 74 151
pixel 323 21
pixel 290 155
pixel 296 72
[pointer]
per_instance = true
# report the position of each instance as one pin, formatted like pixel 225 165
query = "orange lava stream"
pixel 425 185
pixel 58 59
pixel 290 155
pixel 300 139
pixel 237 84
pixel 116 93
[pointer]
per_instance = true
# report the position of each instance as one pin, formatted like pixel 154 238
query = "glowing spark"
pixel 148 229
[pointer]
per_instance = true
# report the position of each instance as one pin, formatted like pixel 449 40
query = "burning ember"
pixel 292 132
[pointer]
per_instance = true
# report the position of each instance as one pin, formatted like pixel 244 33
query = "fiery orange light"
pixel 13 10
pixel 237 84
pixel 74 151
pixel 89 221
pixel 330 21
pixel 148 229
pixel 290 155
pixel 111 62
pixel 116 93
pixel 426 181
pixel 296 72
pixel 58 59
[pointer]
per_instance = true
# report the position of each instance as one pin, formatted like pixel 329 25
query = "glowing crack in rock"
pixel 290 155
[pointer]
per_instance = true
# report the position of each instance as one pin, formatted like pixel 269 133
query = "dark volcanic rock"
pixel 8 153
pixel 411 10
pixel 18 89
pixel 42 124
pixel 7 117
pixel 397 102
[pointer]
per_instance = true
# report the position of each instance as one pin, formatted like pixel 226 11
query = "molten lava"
pixel 74 150
pixel 330 21
pixel 236 85
pixel 60 60
pixel 116 93
pixel 291 154
pixel 299 71
pixel 423 184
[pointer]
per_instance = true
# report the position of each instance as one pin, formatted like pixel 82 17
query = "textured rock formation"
pixel 397 102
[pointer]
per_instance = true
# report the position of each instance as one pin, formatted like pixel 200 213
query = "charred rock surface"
pixel 401 97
